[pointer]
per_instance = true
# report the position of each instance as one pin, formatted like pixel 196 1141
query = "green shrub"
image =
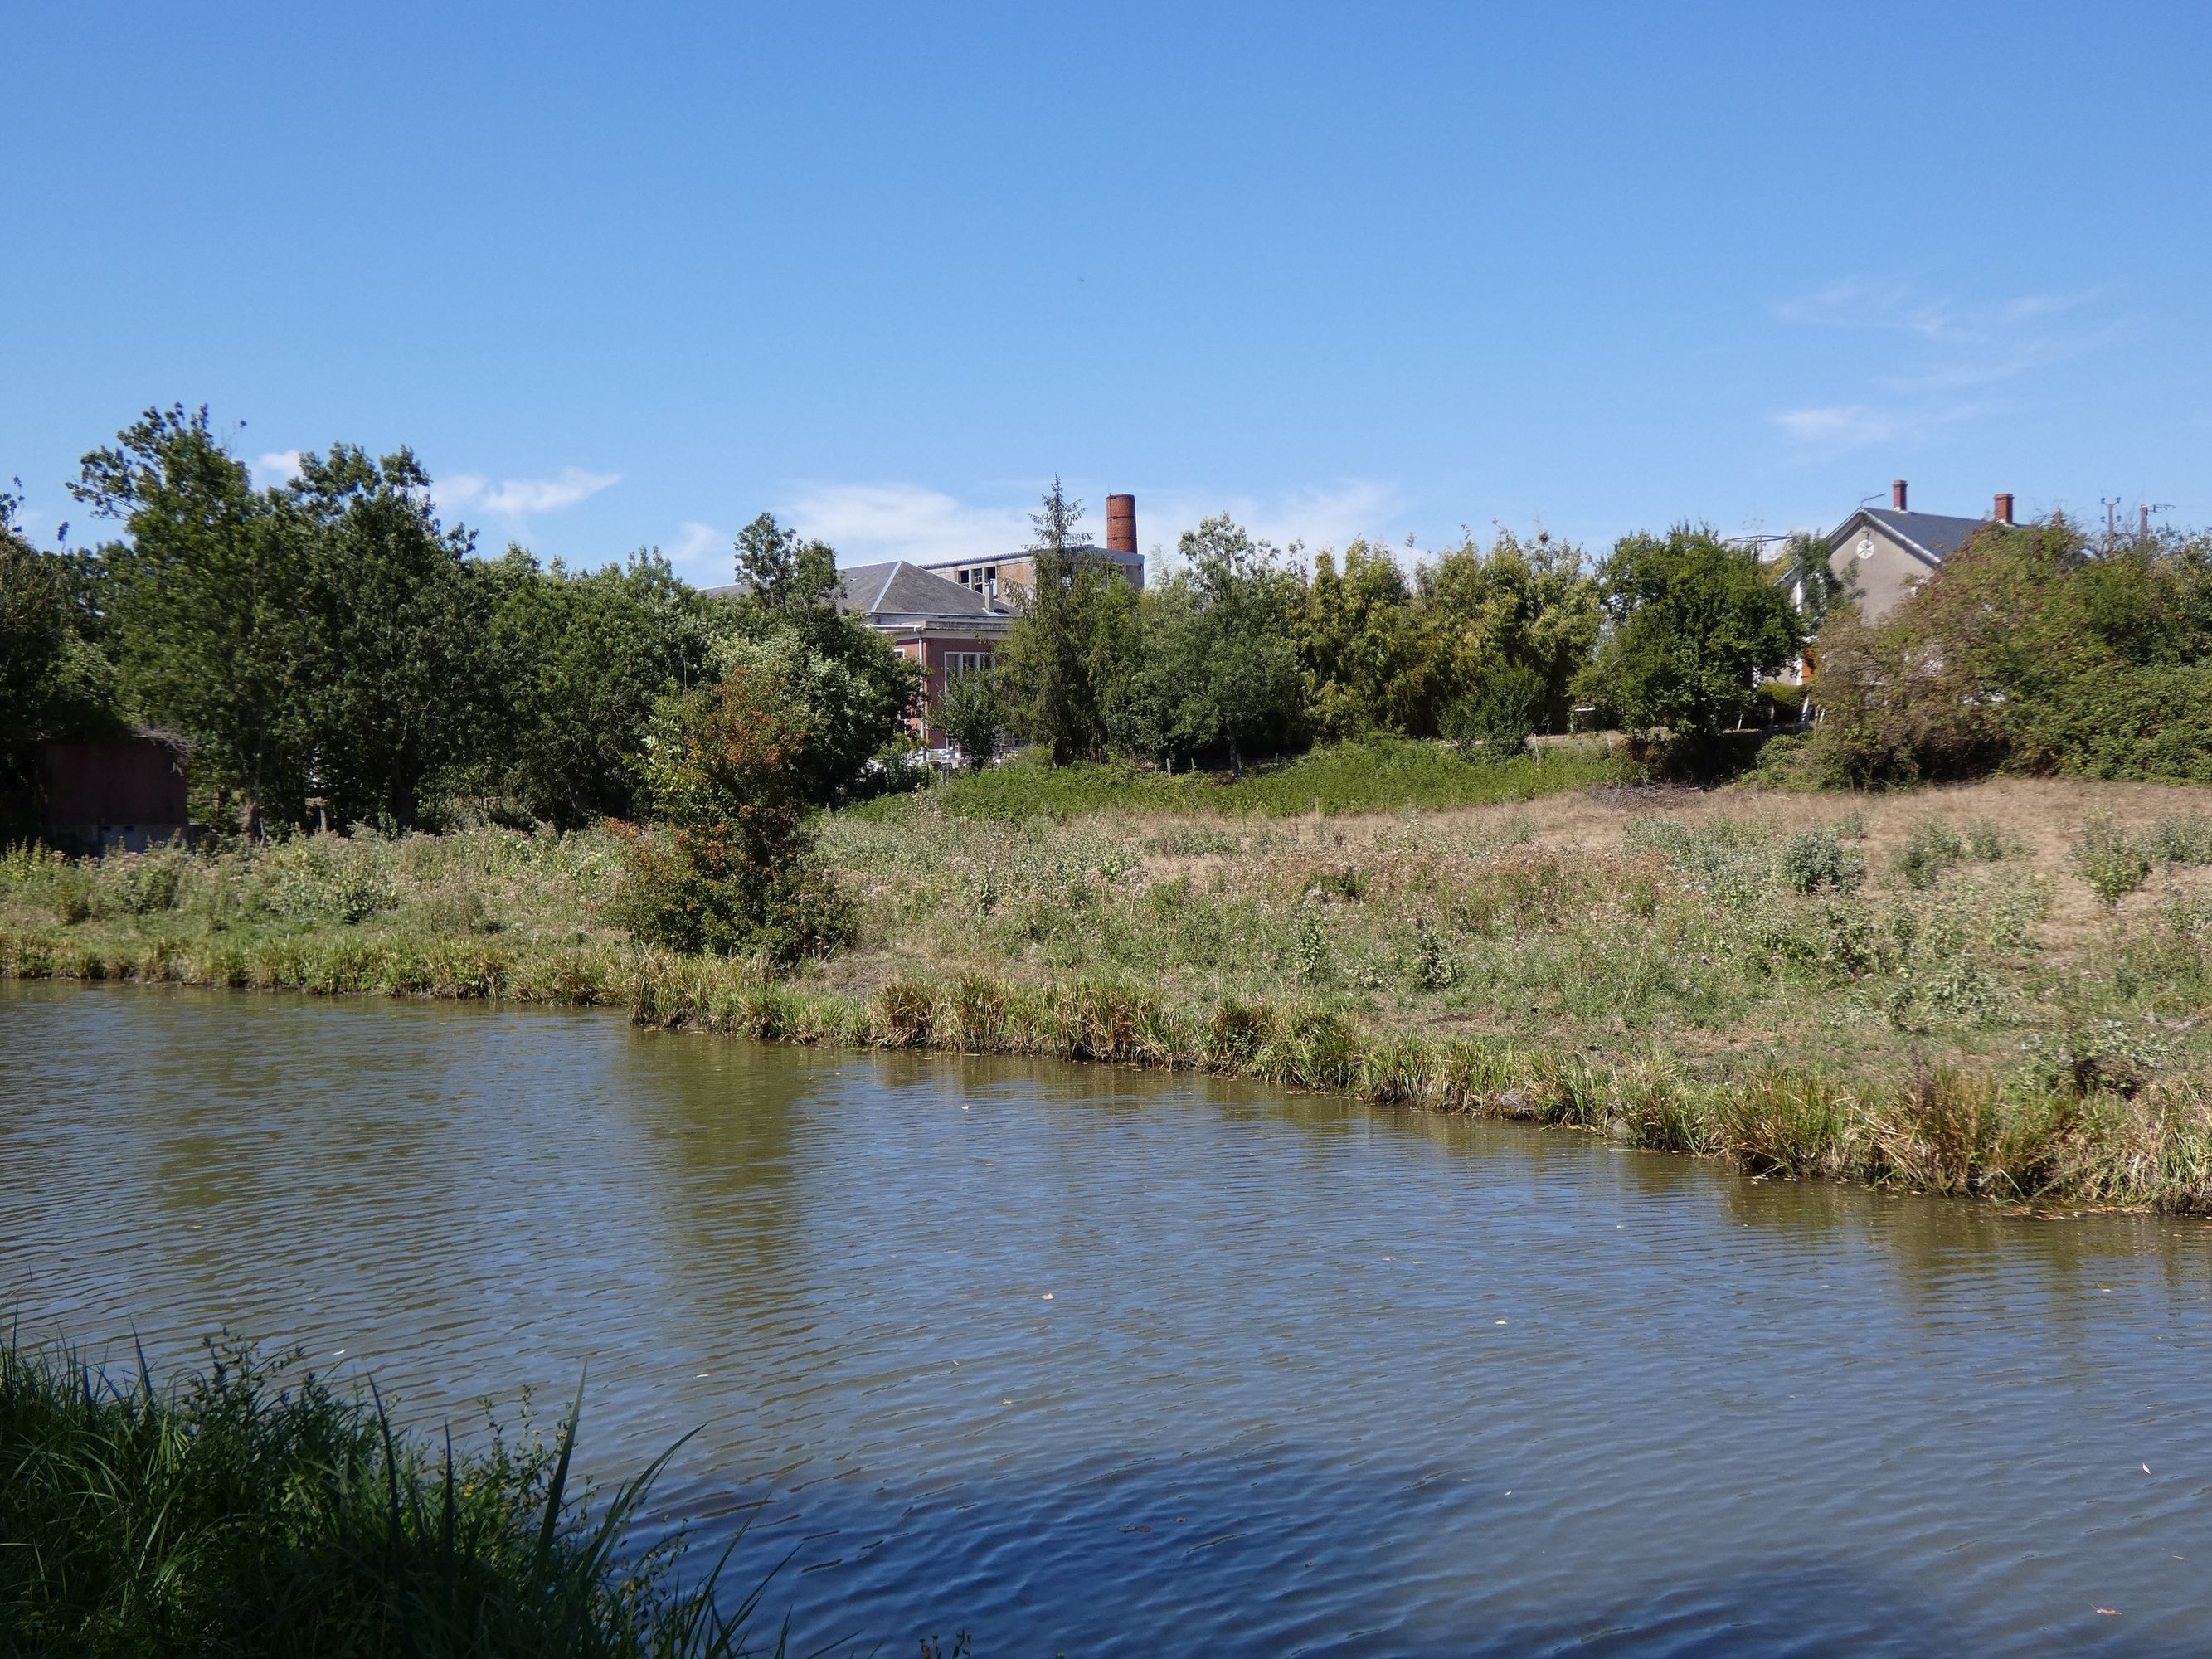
pixel 1815 860
pixel 734 871
pixel 2183 840
pixel 1933 847
pixel 2113 862
pixel 1991 842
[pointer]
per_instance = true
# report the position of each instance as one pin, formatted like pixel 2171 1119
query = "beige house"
pixel 1884 554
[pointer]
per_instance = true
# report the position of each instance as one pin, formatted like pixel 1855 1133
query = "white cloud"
pixel 1950 351
pixel 701 554
pixel 517 498
pixel 278 467
pixel 1316 515
pixel 869 523
pixel 1855 425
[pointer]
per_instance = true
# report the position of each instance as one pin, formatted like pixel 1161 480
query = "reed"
pixel 232 1512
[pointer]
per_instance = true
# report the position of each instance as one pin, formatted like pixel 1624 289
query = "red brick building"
pixel 128 793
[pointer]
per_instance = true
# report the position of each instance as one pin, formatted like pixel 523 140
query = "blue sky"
pixel 628 276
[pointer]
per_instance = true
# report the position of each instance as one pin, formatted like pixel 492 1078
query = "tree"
pixel 397 612
pixel 55 683
pixel 972 714
pixel 578 661
pixel 1694 625
pixel 1220 673
pixel 856 687
pixel 1067 660
pixel 206 596
pixel 734 870
pixel 1496 719
pixel 1811 580
pixel 1526 611
pixel 1366 662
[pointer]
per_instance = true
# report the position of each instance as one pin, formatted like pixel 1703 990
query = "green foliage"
pixel 1809 576
pixel 578 660
pixel 734 871
pixel 1694 624
pixel 206 596
pixel 1068 661
pixel 1364 655
pixel 1992 842
pixel 242 1511
pixel 853 688
pixel 1933 847
pixel 1496 721
pixel 55 681
pixel 2113 862
pixel 1220 674
pixel 1815 860
pixel 1523 610
pixel 396 615
pixel 972 714
pixel 2027 649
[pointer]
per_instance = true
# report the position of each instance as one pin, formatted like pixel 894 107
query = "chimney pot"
pixel 1897 494
pixel 1120 523
pixel 2003 514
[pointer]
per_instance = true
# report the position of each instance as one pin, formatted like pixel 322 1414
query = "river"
pixel 1101 1362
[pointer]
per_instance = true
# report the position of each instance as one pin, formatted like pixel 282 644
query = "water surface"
pixel 1103 1362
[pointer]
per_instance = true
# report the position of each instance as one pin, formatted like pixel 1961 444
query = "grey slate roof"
pixel 902 592
pixel 1934 536
pixel 897 592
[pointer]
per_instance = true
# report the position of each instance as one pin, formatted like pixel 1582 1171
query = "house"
pixel 127 795
pixel 951 616
pixel 1001 579
pixel 1885 553
pixel 949 628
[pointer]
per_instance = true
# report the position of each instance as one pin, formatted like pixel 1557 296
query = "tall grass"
pixel 227 1514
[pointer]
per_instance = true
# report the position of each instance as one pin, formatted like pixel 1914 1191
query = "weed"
pixel 2112 861
pixel 1933 847
pixel 1815 860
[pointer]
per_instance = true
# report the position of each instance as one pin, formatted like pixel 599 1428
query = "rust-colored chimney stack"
pixel 1897 494
pixel 1120 523
pixel 2003 514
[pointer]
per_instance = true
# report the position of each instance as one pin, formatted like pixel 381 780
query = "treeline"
pixel 1240 652
pixel 335 654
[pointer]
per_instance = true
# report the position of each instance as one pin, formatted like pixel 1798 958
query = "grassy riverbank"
pixel 1999 988
pixel 243 1511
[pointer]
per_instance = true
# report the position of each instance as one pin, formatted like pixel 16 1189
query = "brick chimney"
pixel 1897 494
pixel 1120 523
pixel 2002 514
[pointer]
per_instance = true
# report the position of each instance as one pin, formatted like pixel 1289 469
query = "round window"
pixel 1866 547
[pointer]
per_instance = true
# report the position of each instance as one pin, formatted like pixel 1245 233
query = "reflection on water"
pixel 1108 1363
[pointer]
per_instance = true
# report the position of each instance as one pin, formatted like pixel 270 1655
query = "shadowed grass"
pixel 1385 775
pixel 227 1514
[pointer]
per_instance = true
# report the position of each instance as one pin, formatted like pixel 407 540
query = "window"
pixel 957 663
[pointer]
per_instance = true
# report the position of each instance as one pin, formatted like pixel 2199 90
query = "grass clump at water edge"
pixel 229 1514
pixel 2071 1130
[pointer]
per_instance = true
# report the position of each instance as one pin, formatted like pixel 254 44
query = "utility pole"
pixel 2110 504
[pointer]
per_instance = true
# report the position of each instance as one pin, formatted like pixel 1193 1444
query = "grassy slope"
pixel 1618 934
